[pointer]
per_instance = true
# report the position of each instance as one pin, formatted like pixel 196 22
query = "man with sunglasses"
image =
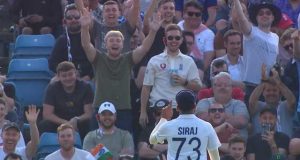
pixel 224 130
pixel 236 111
pixel 168 73
pixel 204 37
pixel 260 44
pixel 68 46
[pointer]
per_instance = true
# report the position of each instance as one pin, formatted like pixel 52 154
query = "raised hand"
pixel 156 21
pixel 264 72
pixel 32 114
pixel 85 19
pixel 296 35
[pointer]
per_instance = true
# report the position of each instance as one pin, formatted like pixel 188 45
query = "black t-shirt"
pixel 60 54
pixel 68 105
pixel 261 148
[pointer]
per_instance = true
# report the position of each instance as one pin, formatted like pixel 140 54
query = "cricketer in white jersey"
pixel 189 138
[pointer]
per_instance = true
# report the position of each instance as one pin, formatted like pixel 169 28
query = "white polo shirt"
pixel 158 75
pixel 188 137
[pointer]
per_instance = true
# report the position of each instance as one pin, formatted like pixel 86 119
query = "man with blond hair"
pixel 113 69
pixel 66 136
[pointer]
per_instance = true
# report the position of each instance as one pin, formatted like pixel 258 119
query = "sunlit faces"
pixel 216 113
pixel 288 46
pixel 10 138
pixel 167 11
pixel 237 150
pixel 66 139
pixel 72 20
pixel 68 78
pixel 107 119
pixel 173 40
pixel 265 17
pixel 233 45
pixel 192 17
pixel 114 45
pixel 111 13
pixel 222 86
pixel 271 93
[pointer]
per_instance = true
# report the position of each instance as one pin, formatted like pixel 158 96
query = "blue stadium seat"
pixel 33 46
pixel 49 143
pixel 30 78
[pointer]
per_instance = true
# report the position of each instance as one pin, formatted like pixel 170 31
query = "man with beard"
pixel 66 139
pixel 236 111
pixel 168 73
pixel 117 141
pixel 224 130
pixel 68 46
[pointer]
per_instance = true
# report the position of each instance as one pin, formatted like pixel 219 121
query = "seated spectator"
pixel 68 46
pixel 116 140
pixel 295 145
pixel 3 121
pixel 37 17
pixel 204 37
pixel 13 156
pixel 11 135
pixel 269 143
pixel 236 111
pixel 66 139
pixel 224 130
pixel 68 100
pixel 273 90
pixel 147 151
pixel 218 66
pixel 237 148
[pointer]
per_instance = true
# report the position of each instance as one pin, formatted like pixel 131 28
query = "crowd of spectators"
pixel 117 63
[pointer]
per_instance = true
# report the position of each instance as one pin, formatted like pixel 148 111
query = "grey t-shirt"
pixel 119 142
pixel 100 29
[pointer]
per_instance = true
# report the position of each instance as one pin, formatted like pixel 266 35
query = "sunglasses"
pixel 261 13
pixel 70 17
pixel 214 110
pixel 191 14
pixel 289 46
pixel 171 38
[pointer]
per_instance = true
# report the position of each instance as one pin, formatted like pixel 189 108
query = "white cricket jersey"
pixel 188 138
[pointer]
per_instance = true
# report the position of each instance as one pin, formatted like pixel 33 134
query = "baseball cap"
pixel 185 99
pixel 285 22
pixel 161 103
pixel 107 106
pixel 10 125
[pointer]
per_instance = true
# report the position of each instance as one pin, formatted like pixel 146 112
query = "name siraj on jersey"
pixel 187 130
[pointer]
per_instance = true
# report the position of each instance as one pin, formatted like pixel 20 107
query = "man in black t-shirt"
pixel 67 100
pixel 269 144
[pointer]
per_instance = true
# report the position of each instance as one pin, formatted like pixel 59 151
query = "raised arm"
pixel 148 15
pixel 88 47
pixel 134 13
pixel 254 97
pixel 142 50
pixel 31 116
pixel 245 25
